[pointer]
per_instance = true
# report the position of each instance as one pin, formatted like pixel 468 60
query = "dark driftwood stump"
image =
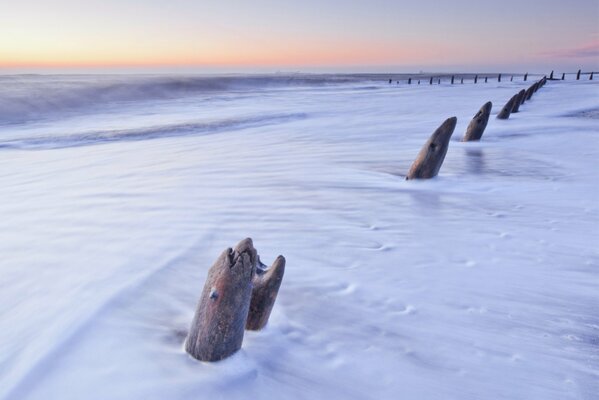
pixel 218 325
pixel 518 101
pixel 264 294
pixel 478 124
pixel 431 157
pixel 507 109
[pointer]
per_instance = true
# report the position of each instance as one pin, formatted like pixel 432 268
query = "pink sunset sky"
pixel 311 36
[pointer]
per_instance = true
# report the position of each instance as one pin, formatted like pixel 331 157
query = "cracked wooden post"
pixel 431 156
pixel 518 101
pixel 507 109
pixel 266 287
pixel 218 325
pixel 478 124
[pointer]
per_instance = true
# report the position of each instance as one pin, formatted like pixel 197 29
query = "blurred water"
pixel 479 283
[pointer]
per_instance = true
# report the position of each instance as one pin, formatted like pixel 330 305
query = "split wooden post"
pixel 218 325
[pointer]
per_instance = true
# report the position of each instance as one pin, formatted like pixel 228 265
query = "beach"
pixel 120 192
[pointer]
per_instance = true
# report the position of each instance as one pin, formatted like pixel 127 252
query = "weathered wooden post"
pixel 478 124
pixel 486 77
pixel 439 81
pixel 563 76
pixel 530 92
pixel 518 101
pixel 551 75
pixel 409 81
pixel 507 109
pixel 499 78
pixel 219 322
pixel 525 76
pixel 452 78
pixel 591 77
pixel 462 81
pixel 419 81
pixel 266 286
pixel 512 78
pixel 476 79
pixel 578 75
pixel 430 82
pixel 431 156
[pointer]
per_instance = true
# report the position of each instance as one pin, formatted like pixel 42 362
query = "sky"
pixel 298 35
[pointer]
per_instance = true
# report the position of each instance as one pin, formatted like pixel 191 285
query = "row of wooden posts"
pixel 499 78
pixel 431 156
pixel 240 291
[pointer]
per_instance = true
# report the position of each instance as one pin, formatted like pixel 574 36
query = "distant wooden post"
pixel 431 81
pixel 591 77
pixel 486 77
pixel 390 81
pixel 478 124
pixel 439 81
pixel 452 78
pixel 507 109
pixel 476 79
pixel 512 78
pixel 419 81
pixel 431 156
pixel 563 76
pixel 578 75
pixel 518 101
pixel 409 81
pixel 462 81
pixel 551 75
pixel 525 76
pixel 499 78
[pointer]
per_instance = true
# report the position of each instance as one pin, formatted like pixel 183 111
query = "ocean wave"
pixel 26 98
pixel 146 133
